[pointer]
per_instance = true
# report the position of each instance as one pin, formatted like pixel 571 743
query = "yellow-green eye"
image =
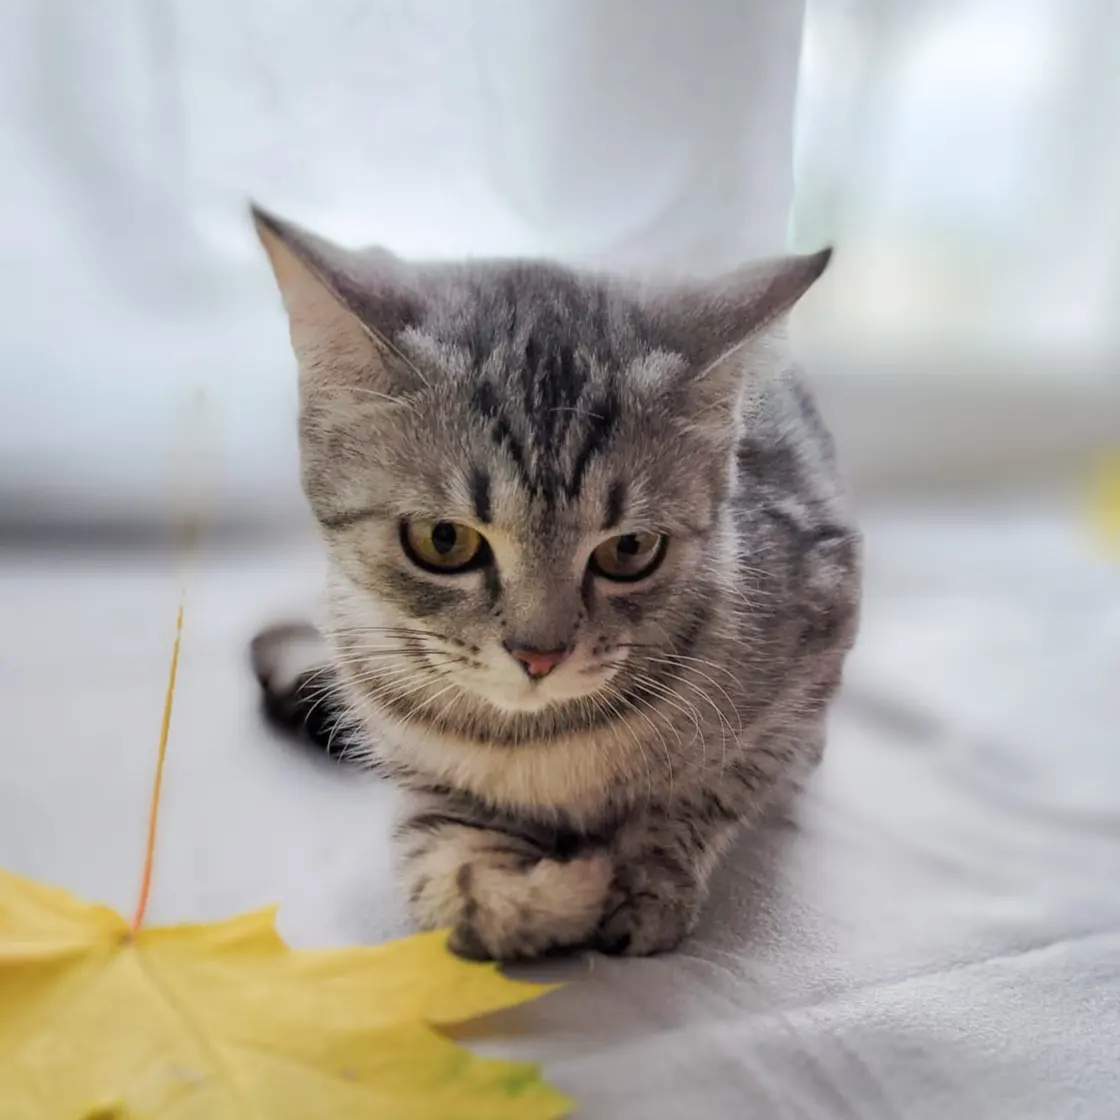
pixel 628 557
pixel 442 546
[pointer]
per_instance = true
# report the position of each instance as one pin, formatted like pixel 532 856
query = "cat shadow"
pixel 751 891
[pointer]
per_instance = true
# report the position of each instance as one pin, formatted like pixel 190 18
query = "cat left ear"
pixel 344 309
pixel 707 322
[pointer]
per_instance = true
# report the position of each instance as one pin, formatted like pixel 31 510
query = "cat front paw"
pixel 503 904
pixel 646 912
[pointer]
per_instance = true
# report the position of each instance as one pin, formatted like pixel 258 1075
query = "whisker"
pixel 660 737
pixel 614 694
pixel 674 699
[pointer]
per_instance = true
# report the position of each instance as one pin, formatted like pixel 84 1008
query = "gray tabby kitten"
pixel 593 577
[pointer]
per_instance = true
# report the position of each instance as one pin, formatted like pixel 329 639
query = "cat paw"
pixel 504 906
pixel 646 913
pixel 292 665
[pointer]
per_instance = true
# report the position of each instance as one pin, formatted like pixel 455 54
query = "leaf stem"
pixel 157 783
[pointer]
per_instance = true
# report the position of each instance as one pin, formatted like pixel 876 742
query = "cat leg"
pixel 662 867
pixel 292 663
pixel 664 856
pixel 508 890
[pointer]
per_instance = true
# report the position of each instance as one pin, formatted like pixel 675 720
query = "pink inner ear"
pixel 341 325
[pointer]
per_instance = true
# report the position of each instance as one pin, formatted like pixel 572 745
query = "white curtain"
pixel 634 133
pixel 964 156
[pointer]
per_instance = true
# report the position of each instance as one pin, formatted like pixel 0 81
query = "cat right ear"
pixel 344 309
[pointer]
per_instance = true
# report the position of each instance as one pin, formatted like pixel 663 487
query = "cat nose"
pixel 538 662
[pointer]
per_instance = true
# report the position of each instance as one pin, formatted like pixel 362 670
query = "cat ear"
pixel 344 309
pixel 708 322
pixel 705 321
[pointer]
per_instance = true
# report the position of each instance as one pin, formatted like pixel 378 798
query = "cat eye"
pixel 629 557
pixel 443 546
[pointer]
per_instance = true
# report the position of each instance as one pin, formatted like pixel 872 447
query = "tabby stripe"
pixel 599 431
pixel 480 495
pixel 616 504
pixel 434 821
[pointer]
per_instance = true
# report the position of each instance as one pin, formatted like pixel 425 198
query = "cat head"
pixel 521 471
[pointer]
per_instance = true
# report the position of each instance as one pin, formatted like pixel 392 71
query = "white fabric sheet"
pixel 937 933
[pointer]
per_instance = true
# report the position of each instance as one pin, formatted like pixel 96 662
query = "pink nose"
pixel 539 662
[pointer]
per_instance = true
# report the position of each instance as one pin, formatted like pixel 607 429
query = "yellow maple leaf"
pixel 1104 501
pixel 105 1019
pixel 224 1020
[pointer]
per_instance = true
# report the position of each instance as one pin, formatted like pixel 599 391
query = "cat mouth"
pixel 537 696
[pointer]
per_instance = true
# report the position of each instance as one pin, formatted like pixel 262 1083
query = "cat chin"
pixel 533 701
pixel 518 697
pixel 527 705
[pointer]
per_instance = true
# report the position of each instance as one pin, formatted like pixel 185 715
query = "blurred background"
pixel 963 155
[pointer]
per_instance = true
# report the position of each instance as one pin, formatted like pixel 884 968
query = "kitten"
pixel 593 577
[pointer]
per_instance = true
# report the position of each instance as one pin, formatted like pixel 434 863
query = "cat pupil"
pixel 629 545
pixel 444 537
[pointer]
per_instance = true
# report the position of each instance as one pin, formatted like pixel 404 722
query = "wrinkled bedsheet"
pixel 934 931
